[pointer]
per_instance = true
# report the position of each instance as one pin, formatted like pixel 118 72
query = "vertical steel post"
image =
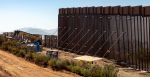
pixel 144 44
pixel 117 28
pixel 128 41
pixel 138 41
pixel 131 38
pixel 123 39
pixel 141 40
pixel 135 43
pixel 147 42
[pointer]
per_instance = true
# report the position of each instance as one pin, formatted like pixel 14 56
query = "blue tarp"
pixel 37 45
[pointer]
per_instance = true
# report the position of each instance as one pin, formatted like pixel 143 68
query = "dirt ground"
pixel 123 72
pixel 12 66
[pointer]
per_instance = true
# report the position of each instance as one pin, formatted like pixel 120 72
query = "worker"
pixel 26 41
pixel 19 42
pixel 29 41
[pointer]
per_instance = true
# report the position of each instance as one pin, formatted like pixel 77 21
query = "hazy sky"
pixel 16 14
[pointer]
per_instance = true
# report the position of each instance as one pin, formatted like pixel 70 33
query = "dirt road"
pixel 12 66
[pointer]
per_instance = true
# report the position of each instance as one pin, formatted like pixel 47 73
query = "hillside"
pixel 51 31
pixel 38 31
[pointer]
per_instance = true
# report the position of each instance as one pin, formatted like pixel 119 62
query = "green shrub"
pixel 9 43
pixel 13 43
pixel 66 63
pixel 86 66
pixel 96 71
pixel 32 51
pixel 69 67
pixel 13 49
pixel 60 64
pixel 44 59
pixel 86 72
pixel 29 56
pixel 39 58
pixel 24 48
pixel 16 51
pixel 2 39
pixel 110 71
pixel 5 45
pixel 36 57
pixel 9 48
pixel 52 62
pixel 106 71
pixel 19 47
pixel 74 63
pixel 77 69
pixel 21 53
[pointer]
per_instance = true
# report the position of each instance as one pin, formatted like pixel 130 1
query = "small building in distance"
pixel 8 35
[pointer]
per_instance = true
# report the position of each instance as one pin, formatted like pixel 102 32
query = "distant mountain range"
pixel 38 31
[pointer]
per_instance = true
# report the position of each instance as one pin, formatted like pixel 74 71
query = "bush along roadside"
pixel 56 64
pixel 2 39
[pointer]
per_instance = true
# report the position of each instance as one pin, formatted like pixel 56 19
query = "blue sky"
pixel 16 14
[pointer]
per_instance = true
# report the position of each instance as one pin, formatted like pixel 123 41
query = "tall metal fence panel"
pixel 47 39
pixel 122 33
pixel 50 41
